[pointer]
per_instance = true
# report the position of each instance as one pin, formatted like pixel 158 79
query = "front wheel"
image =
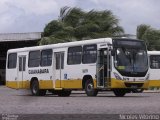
pixel 119 92
pixel 89 88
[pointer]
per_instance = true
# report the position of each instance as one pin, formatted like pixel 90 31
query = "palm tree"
pixel 76 24
pixel 141 30
pixel 150 35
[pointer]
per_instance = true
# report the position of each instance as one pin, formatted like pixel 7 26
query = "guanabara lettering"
pixel 38 71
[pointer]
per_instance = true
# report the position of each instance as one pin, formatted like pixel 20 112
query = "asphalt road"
pixel 21 102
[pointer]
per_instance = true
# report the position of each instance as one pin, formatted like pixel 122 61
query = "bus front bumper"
pixel 133 85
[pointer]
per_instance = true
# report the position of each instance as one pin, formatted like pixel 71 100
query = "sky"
pixel 19 16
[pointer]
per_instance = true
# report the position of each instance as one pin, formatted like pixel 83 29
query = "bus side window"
pixel 46 57
pixel 12 60
pixel 89 54
pixel 155 61
pixel 74 55
pixel 34 58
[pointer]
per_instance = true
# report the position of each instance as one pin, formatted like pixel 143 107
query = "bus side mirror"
pixel 113 52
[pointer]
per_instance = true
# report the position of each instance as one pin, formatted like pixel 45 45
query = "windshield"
pixel 131 61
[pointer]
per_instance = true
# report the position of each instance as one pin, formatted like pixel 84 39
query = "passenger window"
pixel 155 62
pixel 46 57
pixel 12 60
pixel 89 54
pixel 74 55
pixel 34 59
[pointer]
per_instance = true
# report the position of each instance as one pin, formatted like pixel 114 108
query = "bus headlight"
pixel 117 76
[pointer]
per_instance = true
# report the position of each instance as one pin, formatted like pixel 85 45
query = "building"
pixel 15 40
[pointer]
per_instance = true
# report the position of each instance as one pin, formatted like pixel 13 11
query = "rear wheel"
pixel 35 89
pixel 89 88
pixel 119 92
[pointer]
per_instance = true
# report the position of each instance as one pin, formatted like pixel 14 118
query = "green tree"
pixel 75 24
pixel 141 30
pixel 150 35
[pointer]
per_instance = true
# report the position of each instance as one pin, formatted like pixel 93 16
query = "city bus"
pixel 116 64
pixel 154 60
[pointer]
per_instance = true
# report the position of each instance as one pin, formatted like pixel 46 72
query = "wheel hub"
pixel 90 87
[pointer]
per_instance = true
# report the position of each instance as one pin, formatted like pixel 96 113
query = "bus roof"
pixel 61 45
pixel 154 52
pixel 68 44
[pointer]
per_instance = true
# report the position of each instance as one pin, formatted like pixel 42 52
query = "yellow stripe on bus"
pixel 154 83
pixel 72 84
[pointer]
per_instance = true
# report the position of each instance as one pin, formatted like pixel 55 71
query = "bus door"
pixel 103 68
pixel 59 66
pixel 21 70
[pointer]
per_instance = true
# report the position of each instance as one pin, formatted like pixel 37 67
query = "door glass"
pixel 59 60
pixel 22 63
pixel 62 60
pixel 102 67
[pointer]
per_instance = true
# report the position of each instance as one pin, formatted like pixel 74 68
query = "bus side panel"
pixel 69 84
pixel 73 79
pixel 11 78
pixel 154 78
pixel 43 74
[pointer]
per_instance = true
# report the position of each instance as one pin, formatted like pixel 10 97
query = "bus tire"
pixel 89 88
pixel 119 92
pixel 64 93
pixel 35 89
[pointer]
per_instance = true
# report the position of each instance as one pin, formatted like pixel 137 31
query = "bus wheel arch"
pixel 85 78
pixel 34 86
pixel 88 85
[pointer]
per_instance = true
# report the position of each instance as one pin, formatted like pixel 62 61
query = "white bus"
pixel 119 65
pixel 154 60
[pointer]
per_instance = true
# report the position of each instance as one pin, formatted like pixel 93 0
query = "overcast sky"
pixel 33 15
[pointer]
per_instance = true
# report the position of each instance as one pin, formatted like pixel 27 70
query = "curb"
pixel 151 91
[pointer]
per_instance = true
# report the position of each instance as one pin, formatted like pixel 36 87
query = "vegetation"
pixel 150 35
pixel 75 24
